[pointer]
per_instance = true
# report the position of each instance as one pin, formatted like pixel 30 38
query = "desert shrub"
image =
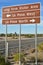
pixel 16 57
pixel 40 47
pixel 2 61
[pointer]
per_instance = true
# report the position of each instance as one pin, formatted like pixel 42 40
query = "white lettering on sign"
pixel 21 14
pixel 12 21
pixel 22 21
pixel 30 14
pixel 14 8
pixel 25 7
pixel 8 15
pixel 35 6
pixel 33 20
pixel 13 15
pixel 7 22
pixel 6 10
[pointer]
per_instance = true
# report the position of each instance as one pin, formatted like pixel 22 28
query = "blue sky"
pixel 25 28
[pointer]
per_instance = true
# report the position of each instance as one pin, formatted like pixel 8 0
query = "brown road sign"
pixel 16 15
pixel 22 21
pixel 22 7
pixel 22 14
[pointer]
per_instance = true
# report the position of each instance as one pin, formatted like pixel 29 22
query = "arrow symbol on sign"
pixel 8 15
pixel 33 20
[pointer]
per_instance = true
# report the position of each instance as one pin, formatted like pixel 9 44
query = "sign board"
pixel 23 14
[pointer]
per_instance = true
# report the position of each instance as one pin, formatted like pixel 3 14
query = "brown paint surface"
pixel 21 14
pixel 22 7
pixel 34 13
pixel 21 21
